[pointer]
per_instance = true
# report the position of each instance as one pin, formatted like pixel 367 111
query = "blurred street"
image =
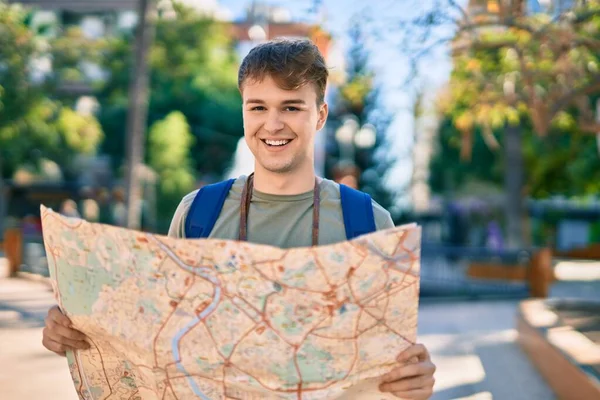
pixel 473 345
pixel 28 370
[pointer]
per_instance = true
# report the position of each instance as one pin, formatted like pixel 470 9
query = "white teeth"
pixel 277 142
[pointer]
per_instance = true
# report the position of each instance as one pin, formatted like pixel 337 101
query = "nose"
pixel 273 123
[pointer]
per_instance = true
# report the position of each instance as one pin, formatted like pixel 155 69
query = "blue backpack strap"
pixel 205 209
pixel 358 212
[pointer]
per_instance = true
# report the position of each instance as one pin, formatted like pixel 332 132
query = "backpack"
pixel 206 207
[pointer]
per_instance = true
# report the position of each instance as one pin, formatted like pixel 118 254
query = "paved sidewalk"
pixel 473 345
pixel 27 369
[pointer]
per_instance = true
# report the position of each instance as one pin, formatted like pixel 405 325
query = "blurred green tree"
pixel 517 73
pixel 169 154
pixel 33 125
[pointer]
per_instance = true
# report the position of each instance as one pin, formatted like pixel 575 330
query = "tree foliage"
pixel 170 142
pixel 193 70
pixel 534 72
pixel 34 126
pixel 513 64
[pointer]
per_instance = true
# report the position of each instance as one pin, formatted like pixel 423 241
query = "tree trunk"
pixel 513 186
pixel 2 202
pixel 138 111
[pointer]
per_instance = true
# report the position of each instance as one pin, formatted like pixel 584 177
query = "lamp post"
pixel 351 136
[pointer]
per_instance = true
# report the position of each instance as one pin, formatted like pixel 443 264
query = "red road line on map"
pixel 133 394
pixel 194 376
pixel 298 371
pixel 227 360
pixel 168 380
pixel 213 339
pixel 335 338
pixel 401 238
pixel 376 293
pixel 320 266
pixel 247 303
pixel 283 285
pixel 399 288
pixel 264 319
pixel 165 390
pixel 103 369
pixel 152 369
pixel 279 390
pixel 60 221
pixel 244 311
pixel 76 366
pixel 284 255
pixel 409 272
pixel 360 249
pixel 264 385
pixel 381 321
pixel 268 323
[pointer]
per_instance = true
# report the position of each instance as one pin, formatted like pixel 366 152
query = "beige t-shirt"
pixel 284 221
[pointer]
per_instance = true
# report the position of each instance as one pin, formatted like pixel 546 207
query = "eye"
pixel 258 108
pixel 292 108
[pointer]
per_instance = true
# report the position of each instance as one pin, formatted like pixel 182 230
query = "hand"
pixel 58 336
pixel 413 379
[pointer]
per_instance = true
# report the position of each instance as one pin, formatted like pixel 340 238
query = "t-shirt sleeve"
pixel 383 219
pixel 177 227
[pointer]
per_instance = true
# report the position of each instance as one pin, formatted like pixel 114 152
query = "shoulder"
pixel 383 218
pixel 177 228
pixel 330 190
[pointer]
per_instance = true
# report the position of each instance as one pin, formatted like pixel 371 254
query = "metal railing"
pixel 445 272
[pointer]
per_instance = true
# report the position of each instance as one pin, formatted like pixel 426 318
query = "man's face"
pixel 280 125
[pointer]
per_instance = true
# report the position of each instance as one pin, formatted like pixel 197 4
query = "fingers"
pixel 55 347
pixel 60 330
pixel 409 370
pixel 416 350
pixel 57 316
pixel 421 394
pixel 409 384
pixel 55 335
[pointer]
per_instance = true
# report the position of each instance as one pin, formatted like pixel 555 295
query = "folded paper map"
pixel 219 319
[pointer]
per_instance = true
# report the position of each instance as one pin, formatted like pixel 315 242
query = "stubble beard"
pixel 285 167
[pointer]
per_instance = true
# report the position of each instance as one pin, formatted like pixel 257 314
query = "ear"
pixel 323 112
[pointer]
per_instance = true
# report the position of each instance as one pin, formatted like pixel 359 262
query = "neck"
pixel 295 182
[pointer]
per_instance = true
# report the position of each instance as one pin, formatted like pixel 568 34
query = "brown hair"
pixel 291 63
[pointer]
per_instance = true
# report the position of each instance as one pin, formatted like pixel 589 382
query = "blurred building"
pixel 264 22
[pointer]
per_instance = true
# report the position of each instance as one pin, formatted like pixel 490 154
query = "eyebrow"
pixel 285 102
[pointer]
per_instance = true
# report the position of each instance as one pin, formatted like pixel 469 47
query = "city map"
pixel 216 319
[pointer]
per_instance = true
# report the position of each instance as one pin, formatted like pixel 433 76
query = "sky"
pixel 381 18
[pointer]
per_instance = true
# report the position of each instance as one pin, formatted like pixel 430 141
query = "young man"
pixel 282 203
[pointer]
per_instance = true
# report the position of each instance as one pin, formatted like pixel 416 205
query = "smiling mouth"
pixel 276 143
